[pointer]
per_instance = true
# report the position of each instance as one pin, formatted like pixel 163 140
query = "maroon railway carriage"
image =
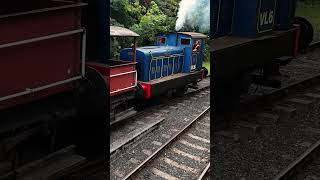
pixel 40 50
pixel 43 80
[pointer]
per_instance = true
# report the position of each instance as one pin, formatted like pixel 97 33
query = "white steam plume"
pixel 195 14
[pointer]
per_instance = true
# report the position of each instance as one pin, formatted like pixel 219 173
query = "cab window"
pixel 185 41
pixel 162 40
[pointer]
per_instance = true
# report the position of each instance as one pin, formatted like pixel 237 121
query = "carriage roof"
pixel 117 31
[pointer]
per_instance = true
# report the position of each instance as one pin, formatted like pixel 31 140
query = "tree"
pixel 153 22
pixel 146 17
pixel 126 12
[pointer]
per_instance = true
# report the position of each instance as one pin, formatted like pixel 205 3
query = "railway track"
pixel 205 175
pixel 296 169
pixel 312 46
pixel 273 136
pixel 93 170
pixel 143 172
pixel 71 165
pixel 122 135
pixel 154 147
pixel 96 169
pixel 204 84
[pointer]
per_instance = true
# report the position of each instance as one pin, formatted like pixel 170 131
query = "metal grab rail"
pixel 155 59
pixel 125 73
pixel 123 89
pixel 194 55
pixel 30 90
pixel 42 38
pixel 59 83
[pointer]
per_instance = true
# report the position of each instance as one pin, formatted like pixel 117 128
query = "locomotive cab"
pixel 194 44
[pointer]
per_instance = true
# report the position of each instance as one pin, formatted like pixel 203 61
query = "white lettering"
pixel 262 16
pixel 266 18
pixel 271 17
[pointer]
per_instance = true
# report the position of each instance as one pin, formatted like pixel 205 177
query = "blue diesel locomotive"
pixel 172 64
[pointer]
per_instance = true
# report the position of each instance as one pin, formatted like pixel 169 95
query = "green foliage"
pixel 126 12
pixel 145 17
pixel 153 22
pixel 311 11
pixel 308 2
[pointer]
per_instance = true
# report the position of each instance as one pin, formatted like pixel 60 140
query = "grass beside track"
pixel 206 64
pixel 310 9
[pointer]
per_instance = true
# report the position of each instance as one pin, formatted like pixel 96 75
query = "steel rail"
pixel 279 92
pixel 164 146
pixel 204 172
pixel 289 171
pixel 275 94
pixel 314 45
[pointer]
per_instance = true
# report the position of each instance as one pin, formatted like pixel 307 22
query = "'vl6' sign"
pixel 266 15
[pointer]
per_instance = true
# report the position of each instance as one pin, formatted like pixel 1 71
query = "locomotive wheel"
pixel 226 98
pixel 245 83
pixel 205 72
pixel 139 91
pixel 181 91
pixel 307 32
pixel 93 94
pixel 140 102
pixel 91 124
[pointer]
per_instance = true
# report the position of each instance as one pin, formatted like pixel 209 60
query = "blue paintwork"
pixel 222 19
pixel 285 13
pixel 149 69
pixel 190 57
pixel 253 17
pixel 171 39
pixel 250 18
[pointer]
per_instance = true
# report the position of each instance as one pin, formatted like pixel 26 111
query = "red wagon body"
pixel 123 75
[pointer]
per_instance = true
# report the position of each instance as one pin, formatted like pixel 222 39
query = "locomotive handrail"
pixel 162 58
pixel 172 65
pixel 194 54
pixel 150 66
pixel 170 56
pixel 161 70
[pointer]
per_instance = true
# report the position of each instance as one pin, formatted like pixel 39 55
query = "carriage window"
pixel 185 41
pixel 162 40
